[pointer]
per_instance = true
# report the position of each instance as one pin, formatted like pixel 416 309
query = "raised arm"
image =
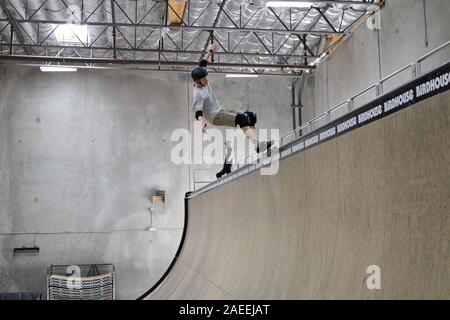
pixel 202 121
pixel 197 107
pixel 214 47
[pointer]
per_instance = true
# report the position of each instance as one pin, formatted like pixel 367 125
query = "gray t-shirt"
pixel 206 100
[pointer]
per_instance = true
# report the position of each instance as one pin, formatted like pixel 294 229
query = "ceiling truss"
pixel 174 50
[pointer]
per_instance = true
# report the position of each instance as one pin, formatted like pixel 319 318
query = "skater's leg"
pixel 220 173
pixel 225 170
pixel 225 119
pixel 250 133
pixel 259 146
pixel 253 118
pixel 243 120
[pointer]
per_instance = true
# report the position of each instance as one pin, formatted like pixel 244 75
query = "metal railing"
pixel 416 71
pixel 377 88
pixel 203 181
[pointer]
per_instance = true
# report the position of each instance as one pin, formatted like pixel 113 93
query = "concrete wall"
pixel 370 55
pixel 378 195
pixel 79 155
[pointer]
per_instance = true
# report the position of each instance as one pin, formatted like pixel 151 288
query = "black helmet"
pixel 199 73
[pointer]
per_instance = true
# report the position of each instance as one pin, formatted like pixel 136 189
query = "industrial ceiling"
pixel 172 35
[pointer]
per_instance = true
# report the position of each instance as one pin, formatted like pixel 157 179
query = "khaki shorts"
pixel 226 118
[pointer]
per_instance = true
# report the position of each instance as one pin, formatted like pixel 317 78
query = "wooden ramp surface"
pixel 378 195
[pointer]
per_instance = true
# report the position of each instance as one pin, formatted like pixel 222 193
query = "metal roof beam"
pixel 160 26
pixel 167 51
pixel 221 8
pixel 349 2
pixel 73 60
pixel 15 26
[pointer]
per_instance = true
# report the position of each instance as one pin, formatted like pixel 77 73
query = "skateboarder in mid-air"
pixel 206 107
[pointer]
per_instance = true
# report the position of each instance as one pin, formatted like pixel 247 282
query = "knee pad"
pixel 242 120
pixel 252 117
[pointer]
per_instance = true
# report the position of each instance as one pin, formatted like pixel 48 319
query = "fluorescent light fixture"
pixel 72 33
pixel 289 4
pixel 241 75
pixel 318 60
pixel 58 69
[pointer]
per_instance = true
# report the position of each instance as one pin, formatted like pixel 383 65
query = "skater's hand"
pixel 203 122
pixel 214 46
